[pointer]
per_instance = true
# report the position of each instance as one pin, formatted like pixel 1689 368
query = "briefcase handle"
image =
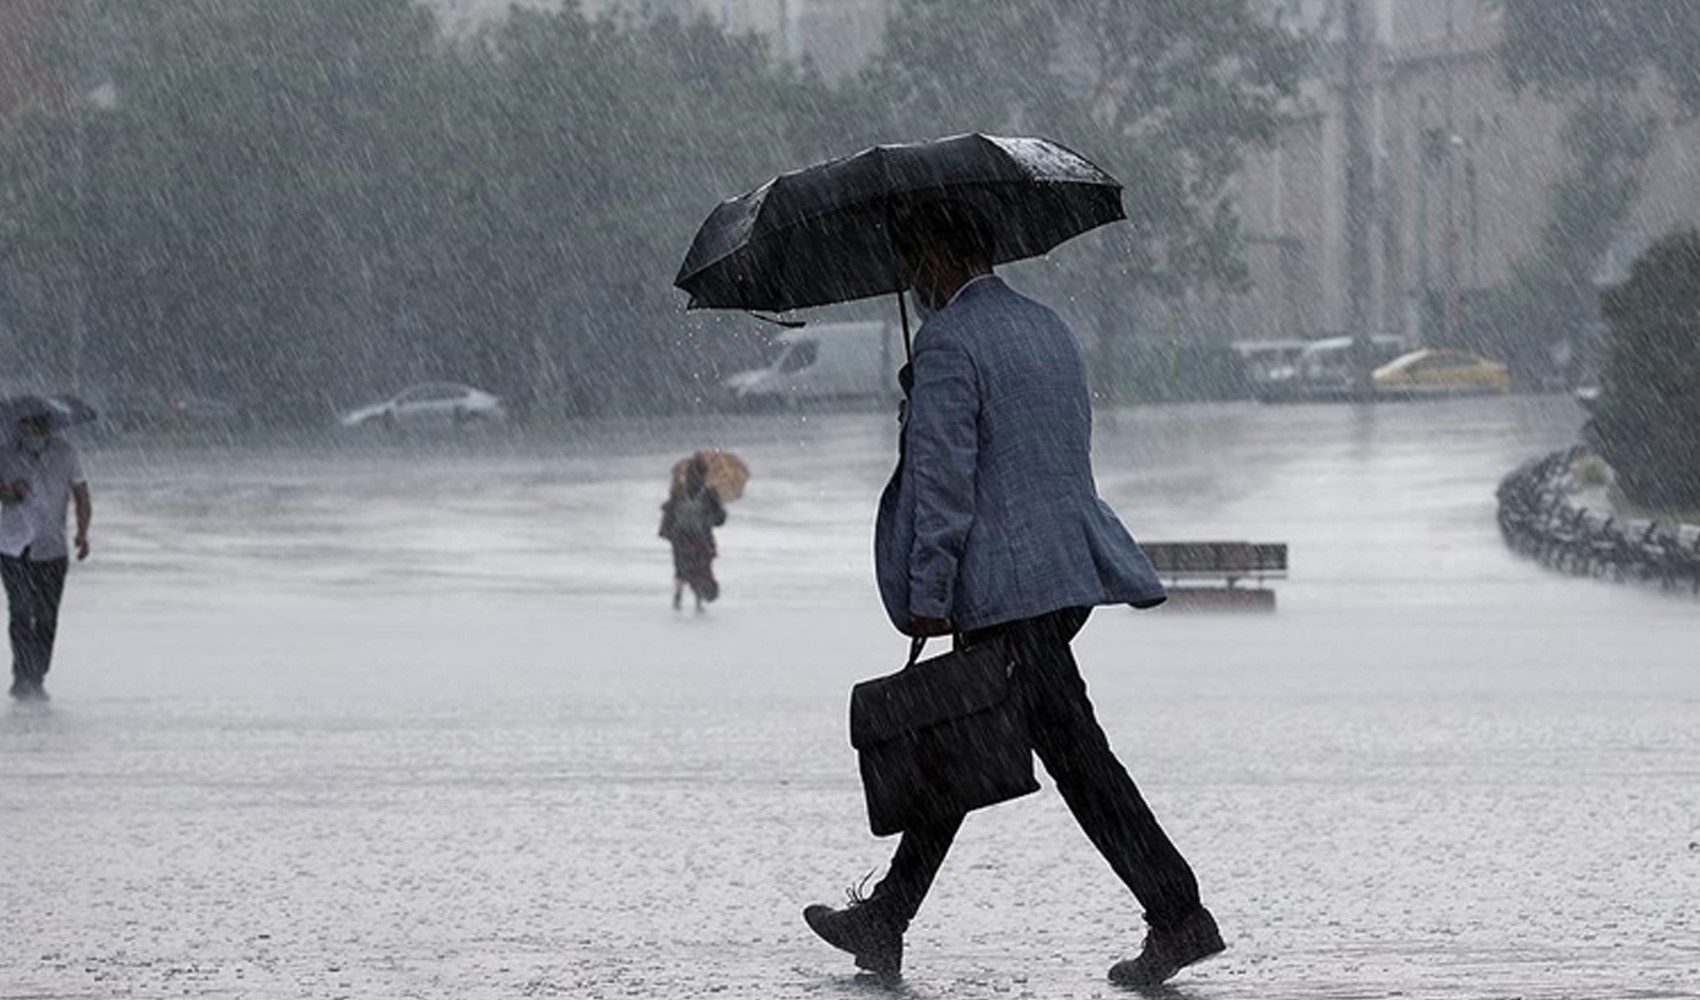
pixel 918 642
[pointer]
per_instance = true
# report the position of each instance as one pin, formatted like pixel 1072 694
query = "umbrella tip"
pixel 789 324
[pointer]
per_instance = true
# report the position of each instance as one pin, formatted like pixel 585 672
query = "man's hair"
pixel 952 229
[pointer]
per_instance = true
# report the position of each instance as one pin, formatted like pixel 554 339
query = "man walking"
pixel 40 474
pixel 992 530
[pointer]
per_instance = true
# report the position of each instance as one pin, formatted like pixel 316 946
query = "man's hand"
pixel 82 547
pixel 930 626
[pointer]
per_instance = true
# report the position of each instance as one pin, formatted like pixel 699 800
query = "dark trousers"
pixel 33 590
pixel 1072 746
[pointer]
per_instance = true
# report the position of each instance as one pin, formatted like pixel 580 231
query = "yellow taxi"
pixel 1441 371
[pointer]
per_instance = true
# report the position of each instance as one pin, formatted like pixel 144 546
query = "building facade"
pixel 1463 170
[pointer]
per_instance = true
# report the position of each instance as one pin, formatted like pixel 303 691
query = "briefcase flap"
pixel 927 694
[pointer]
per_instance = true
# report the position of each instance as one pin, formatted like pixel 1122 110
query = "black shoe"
pixel 865 929
pixel 28 691
pixel 1170 950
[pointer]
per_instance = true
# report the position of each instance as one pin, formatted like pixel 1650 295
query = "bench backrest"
pixel 1217 557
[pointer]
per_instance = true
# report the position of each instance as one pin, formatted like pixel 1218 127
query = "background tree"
pixel 1165 94
pixel 1644 425
pixel 591 151
pixel 229 214
pixel 951 66
pixel 1594 54
pixel 301 204
pixel 36 202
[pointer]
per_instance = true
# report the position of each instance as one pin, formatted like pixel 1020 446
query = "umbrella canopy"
pixel 727 473
pixel 63 410
pixel 822 235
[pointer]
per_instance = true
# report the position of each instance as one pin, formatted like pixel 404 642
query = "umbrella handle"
pixel 902 306
pixel 903 314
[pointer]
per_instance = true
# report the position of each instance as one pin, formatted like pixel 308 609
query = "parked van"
pixel 831 362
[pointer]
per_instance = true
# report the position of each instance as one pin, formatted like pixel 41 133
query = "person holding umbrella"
pixel 703 483
pixel 40 476
pixel 991 528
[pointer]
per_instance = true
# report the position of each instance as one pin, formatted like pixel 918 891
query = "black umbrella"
pixel 822 234
pixel 63 410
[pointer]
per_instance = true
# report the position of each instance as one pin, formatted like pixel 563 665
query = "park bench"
pixel 1207 575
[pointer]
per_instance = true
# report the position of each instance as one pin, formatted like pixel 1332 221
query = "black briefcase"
pixel 941 737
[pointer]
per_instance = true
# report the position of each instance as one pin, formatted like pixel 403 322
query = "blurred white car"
pixel 430 404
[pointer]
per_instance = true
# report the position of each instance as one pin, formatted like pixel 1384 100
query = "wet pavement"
pixel 383 722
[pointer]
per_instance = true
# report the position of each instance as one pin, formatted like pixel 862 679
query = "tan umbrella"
pixel 727 473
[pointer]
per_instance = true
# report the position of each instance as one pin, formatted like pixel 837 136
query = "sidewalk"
pixel 591 814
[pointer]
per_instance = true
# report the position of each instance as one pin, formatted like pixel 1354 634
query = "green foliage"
pixel 584 153
pixel 1559 45
pixel 1592 52
pixel 950 66
pixel 1522 321
pixel 301 204
pixel 1644 424
pixel 254 195
pixel 1165 94
pixel 1554 45
pixel 1551 298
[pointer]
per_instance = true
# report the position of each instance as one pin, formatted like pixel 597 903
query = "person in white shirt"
pixel 40 476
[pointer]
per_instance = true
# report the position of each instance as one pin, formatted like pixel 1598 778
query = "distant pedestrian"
pixel 40 476
pixel 688 520
pixel 992 531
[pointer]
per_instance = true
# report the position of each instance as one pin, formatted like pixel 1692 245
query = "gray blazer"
pixel 992 514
